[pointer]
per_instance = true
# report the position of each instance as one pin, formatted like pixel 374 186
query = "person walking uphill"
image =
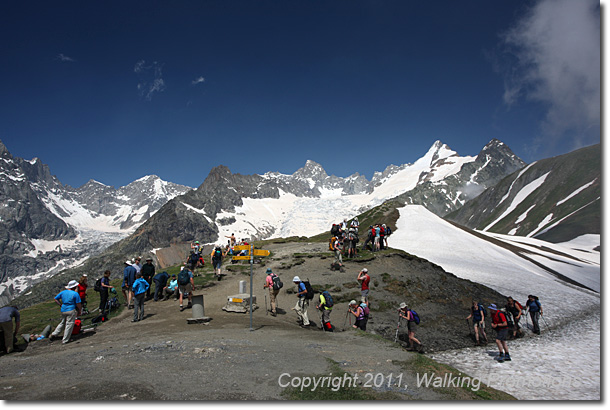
pixel 500 324
pixel 302 303
pixel 326 306
pixel 477 313
pixel 360 313
pixel 405 313
pixel 535 309
pixel 274 286
pixel 140 286
pixel 70 308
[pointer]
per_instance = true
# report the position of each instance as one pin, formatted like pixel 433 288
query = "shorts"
pixel 126 288
pixel 185 289
pixel 365 295
pixel 501 335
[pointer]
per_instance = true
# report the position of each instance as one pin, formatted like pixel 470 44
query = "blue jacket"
pixel 161 277
pixel 129 276
pixel 140 286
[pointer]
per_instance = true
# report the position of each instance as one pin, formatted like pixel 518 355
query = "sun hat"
pixel 269 271
pixel 127 262
pixel 353 302
pixel 403 305
pixel 492 307
pixel 296 279
pixel 72 284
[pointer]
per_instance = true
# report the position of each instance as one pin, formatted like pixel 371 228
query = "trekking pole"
pixel 266 309
pixel 546 324
pixel 397 327
pixel 469 328
pixel 345 321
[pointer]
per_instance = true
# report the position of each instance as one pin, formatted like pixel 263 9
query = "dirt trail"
pixel 164 358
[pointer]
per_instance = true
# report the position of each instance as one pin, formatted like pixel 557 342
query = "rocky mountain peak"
pixel 311 170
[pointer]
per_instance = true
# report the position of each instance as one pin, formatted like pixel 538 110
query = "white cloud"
pixel 150 78
pixel 64 58
pixel 198 81
pixel 556 46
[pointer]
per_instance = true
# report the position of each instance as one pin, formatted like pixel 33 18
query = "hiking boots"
pixel 507 357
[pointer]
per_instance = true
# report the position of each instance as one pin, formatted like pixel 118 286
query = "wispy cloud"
pixel 64 58
pixel 198 81
pixel 150 78
pixel 555 51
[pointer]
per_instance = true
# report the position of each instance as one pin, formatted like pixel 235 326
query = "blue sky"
pixel 117 90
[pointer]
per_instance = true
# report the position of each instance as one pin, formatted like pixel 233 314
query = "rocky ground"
pixel 164 358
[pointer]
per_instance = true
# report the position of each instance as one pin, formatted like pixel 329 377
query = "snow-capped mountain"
pixel 555 199
pixel 309 201
pixel 46 226
pixel 256 206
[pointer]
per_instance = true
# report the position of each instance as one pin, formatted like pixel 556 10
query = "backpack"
pixel 365 309
pixel 482 309
pixel 183 277
pixel 310 292
pixel 331 243
pixel 98 285
pixel 334 231
pixel 217 254
pixel 388 231
pixel 277 283
pixel 329 299
pixel 415 317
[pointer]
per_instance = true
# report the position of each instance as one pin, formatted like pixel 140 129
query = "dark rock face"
pixel 494 162
pixel 37 206
pixel 564 204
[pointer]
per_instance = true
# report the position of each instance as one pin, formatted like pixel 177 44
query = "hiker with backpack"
pixel 352 242
pixel 140 286
pixel 477 313
pixel 104 287
pixel 412 319
pixel 302 303
pixel 185 286
pixel 388 232
pixel 148 272
pixel 500 324
pixel 216 257
pixel 274 284
pixel 515 310
pixel 338 248
pixel 355 224
pixel 326 307
pixel 361 313
pixel 535 308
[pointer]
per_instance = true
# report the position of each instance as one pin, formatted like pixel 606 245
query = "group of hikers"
pixel 138 280
pixel 344 239
pixel 505 321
